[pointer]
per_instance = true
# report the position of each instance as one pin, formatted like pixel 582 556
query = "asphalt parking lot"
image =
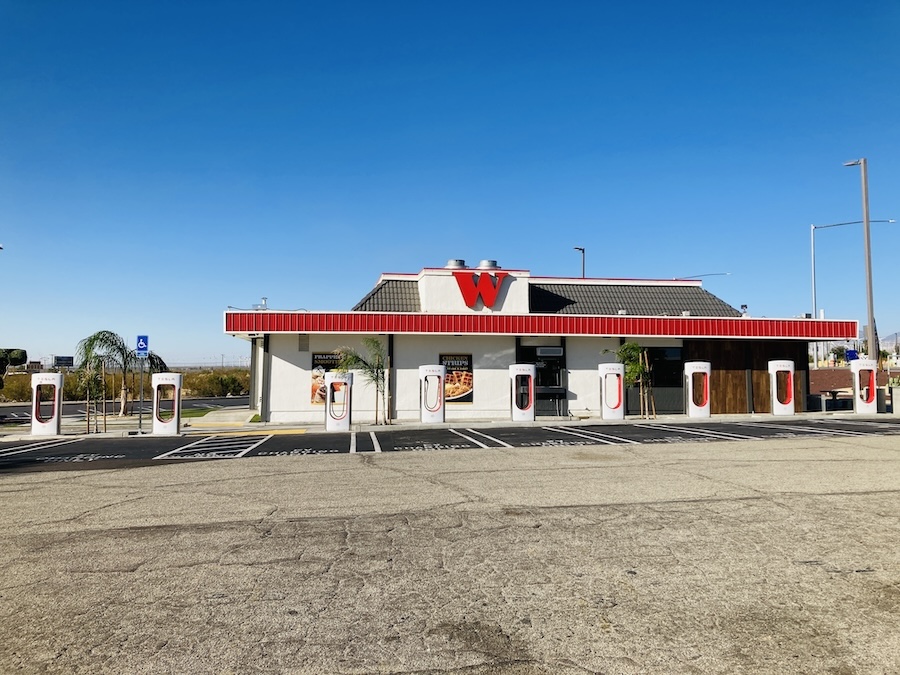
pixel 36 453
pixel 772 555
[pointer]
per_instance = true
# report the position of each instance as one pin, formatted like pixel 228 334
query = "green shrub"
pixel 233 381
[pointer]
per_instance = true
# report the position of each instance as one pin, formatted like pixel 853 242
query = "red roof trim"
pixel 537 324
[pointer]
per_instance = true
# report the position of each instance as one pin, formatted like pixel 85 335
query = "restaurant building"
pixel 478 321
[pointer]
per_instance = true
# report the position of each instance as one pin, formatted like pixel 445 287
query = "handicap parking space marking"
pixel 216 447
pixel 38 445
pixel 703 432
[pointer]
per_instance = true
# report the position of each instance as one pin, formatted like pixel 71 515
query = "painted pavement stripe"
pixel 470 439
pixel 42 445
pixel 614 439
pixel 255 445
pixel 491 438
pixel 723 435
pixel 375 441
pixel 580 435
pixel 353 443
pixel 797 427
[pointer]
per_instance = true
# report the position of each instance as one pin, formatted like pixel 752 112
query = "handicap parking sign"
pixel 143 346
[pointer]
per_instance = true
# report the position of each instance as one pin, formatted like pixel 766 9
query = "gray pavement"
pixel 759 557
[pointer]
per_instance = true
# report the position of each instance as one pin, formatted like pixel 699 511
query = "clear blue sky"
pixel 161 161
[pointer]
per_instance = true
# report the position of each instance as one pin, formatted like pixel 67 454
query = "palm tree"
pixel 372 367
pixel 117 355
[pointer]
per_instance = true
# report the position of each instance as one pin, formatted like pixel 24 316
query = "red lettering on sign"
pixel 486 287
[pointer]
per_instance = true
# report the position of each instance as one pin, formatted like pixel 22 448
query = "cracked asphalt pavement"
pixel 766 557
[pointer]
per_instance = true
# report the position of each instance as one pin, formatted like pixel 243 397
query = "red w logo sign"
pixel 486 287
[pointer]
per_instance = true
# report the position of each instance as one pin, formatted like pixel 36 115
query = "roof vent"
pixel 686 312
pixel 488 265
pixel 622 312
pixel 455 264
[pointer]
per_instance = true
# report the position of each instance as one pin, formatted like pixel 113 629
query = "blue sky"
pixel 162 161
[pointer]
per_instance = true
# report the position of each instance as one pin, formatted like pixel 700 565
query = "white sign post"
pixel 142 351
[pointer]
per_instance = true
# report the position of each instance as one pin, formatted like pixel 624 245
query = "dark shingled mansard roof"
pixel 395 295
pixel 392 295
pixel 635 300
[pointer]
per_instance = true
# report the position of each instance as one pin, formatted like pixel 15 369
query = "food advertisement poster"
pixel 459 385
pixel 321 364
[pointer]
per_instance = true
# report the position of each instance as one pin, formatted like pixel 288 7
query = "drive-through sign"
pixel 143 346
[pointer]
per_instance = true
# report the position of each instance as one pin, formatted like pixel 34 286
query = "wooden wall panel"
pixel 730 361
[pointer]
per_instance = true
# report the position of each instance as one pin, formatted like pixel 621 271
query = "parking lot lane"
pixel 303 445
pixel 36 446
pixel 869 426
pixel 423 440
pixel 496 442
pixel 707 432
pixel 800 427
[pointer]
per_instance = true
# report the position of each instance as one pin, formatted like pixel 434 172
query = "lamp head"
pixel 855 162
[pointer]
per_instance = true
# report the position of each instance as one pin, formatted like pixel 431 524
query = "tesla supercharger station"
pixel 338 388
pixel 166 388
pixel 521 377
pixel 431 391
pixel 46 419
pixel 865 388
pixel 612 391
pixel 783 371
pixel 696 376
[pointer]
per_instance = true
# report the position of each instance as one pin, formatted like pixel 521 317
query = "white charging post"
pixel 338 389
pixel 696 380
pixel 166 387
pixel 781 376
pixel 521 376
pixel 46 417
pixel 865 386
pixel 431 393
pixel 612 391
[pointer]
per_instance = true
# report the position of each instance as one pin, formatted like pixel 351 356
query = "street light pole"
pixel 581 248
pixel 871 339
pixel 812 257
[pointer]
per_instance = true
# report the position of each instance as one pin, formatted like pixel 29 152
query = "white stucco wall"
pixel 291 378
pixel 491 358
pixel 583 355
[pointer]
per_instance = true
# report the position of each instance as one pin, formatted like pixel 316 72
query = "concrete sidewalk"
pixel 757 557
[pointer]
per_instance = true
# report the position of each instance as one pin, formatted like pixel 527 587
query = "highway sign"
pixel 143 346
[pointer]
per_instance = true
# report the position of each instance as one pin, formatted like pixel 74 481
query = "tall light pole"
pixel 871 338
pixel 581 248
pixel 812 258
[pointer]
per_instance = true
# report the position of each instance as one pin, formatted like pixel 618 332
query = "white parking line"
pixel 375 441
pixel 792 427
pixel 885 426
pixel 723 435
pixel 590 437
pixel 353 443
pixel 40 445
pixel 490 438
pixel 470 439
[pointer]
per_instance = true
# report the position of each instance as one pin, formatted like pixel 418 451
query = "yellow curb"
pixel 216 424
pixel 261 432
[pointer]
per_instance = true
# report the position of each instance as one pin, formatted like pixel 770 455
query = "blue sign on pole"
pixel 143 346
